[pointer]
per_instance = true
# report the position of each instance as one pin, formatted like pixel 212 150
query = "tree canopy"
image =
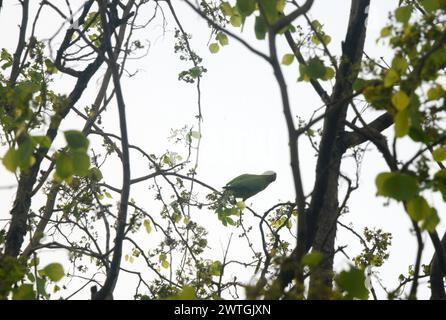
pixel 99 204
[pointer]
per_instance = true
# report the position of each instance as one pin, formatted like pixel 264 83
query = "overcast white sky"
pixel 243 129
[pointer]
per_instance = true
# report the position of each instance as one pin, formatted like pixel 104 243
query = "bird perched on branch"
pixel 248 185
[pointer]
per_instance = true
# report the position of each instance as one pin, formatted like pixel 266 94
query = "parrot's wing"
pixel 240 179
pixel 247 185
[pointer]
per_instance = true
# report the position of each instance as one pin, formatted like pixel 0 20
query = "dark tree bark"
pixel 437 275
pixel 323 209
pixel 22 202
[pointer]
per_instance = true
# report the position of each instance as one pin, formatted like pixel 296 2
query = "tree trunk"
pixel 324 241
pixel 437 276
pixel 323 209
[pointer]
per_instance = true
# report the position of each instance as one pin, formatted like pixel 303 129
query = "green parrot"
pixel 247 185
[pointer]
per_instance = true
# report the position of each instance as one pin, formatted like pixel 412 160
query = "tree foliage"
pixel 105 229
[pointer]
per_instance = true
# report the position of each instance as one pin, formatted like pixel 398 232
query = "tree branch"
pixel 113 272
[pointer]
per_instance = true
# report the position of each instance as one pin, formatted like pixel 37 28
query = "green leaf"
pixel 418 208
pixel 390 78
pixel 386 31
pixel 222 39
pixel 195 134
pixel 34 262
pixel 81 163
pixel 303 73
pixel 399 63
pixel 176 216
pixel 76 139
pixel 5 55
pixel 359 84
pixel 24 153
pixel 312 259
pixel 430 5
pixel 64 166
pixel 202 243
pixel 186 293
pixel 50 67
pixel 6 65
pixel 269 9
pixel 24 292
pixel 226 8
pixel 352 283
pixel 10 160
pixel 326 38
pixel 378 96
pixel 240 205
pixel 431 221
pixel 95 174
pixel 196 72
pixel 280 5
pixel 147 226
pixel 163 259
pixel 215 268
pixel 316 25
pixel 246 7
pixel 31 277
pixel 439 154
pixel 329 74
pixel 400 100
pixel 41 286
pixel 399 186
pixel 165 264
pixel 402 14
pixel 315 68
pixel 42 141
pixel 236 21
pixel 21 157
pixel 316 38
pixel 435 93
pixel 288 59
pixel 260 28
pixel 440 182
pixel 214 47
pixel 402 124
pixel 54 271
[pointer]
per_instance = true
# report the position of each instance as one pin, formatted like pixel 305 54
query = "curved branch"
pixel 113 272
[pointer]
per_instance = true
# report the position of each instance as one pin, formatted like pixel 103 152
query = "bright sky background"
pixel 243 129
